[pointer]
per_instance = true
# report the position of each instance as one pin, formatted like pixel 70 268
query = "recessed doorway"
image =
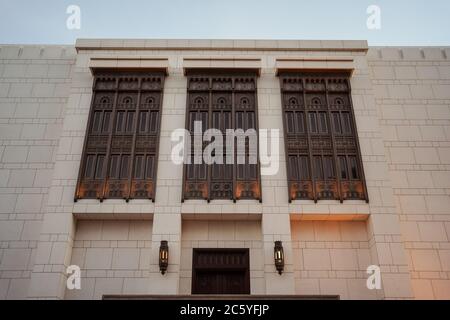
pixel 220 271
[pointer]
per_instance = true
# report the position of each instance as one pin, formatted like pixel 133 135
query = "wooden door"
pixel 220 271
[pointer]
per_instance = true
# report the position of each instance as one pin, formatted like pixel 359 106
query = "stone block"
pixel 29 203
pixel 432 231
pixel 441 289
pixel 405 72
pixel 21 178
pixel 316 259
pixel 15 154
pixel 422 289
pixel 425 260
pixel 125 259
pixel 10 230
pixel 15 259
pixel 115 230
pixel 98 258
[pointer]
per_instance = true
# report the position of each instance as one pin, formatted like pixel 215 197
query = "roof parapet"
pixel 199 44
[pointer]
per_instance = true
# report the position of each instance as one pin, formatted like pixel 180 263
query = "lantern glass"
pixel 163 256
pixel 279 256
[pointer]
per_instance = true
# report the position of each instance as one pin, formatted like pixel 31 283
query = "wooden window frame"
pixel 326 96
pixel 128 92
pixel 239 88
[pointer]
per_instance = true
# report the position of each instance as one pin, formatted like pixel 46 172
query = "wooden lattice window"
pixel 321 142
pixel 222 100
pixel 121 146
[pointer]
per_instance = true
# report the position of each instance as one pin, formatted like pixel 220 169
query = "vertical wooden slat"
pixel 187 153
pixel 285 136
pixel 133 144
pixel 333 143
pixel 158 137
pixel 256 119
pixel 308 136
pixel 208 127
pixel 108 150
pixel 233 126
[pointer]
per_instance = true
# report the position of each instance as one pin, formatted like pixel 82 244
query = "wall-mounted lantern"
pixel 279 256
pixel 163 256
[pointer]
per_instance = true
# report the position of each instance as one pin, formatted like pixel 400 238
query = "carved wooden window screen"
pixel 222 101
pixel 321 142
pixel 121 147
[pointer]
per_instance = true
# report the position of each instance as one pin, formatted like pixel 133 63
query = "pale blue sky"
pixel 403 22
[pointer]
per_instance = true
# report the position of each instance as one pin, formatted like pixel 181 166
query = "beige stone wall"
pixel 412 87
pixel 168 212
pixel 34 86
pixel 222 234
pixel 114 257
pixel 401 100
pixel 332 258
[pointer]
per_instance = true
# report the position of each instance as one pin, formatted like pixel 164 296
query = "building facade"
pixel 87 176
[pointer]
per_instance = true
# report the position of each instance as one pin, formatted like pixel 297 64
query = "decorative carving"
pixel 292 84
pixel 346 143
pixel 117 100
pixel 338 84
pixel 146 144
pixel 327 190
pixel 221 190
pixel 196 190
pixel 210 98
pixel 352 190
pixel 122 144
pixel 104 101
pixel 314 84
pixel 322 104
pixel 150 101
pixel 199 83
pixel 295 143
pixel 199 101
pixel 152 83
pixel 222 83
pixel 128 83
pixel 90 189
pixel 247 190
pixel 105 83
pixel 301 190
pixel 321 143
pixel 244 101
pixel 127 101
pixel 117 189
pixel 142 189
pixel 221 101
pixel 245 84
pixel 293 102
pixel 97 144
